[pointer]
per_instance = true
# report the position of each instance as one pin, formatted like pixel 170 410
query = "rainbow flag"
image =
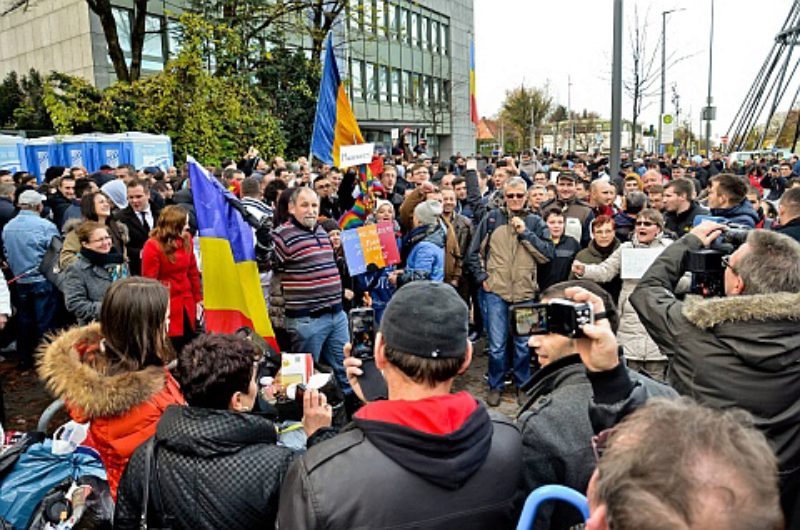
pixel 366 189
pixel 231 285
pixel 335 124
pixel 473 104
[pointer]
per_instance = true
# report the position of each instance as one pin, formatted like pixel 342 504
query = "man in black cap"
pixel 424 458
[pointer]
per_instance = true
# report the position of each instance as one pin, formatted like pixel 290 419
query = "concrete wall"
pixel 49 35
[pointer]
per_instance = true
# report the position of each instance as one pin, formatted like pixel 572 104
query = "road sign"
pixel 667 129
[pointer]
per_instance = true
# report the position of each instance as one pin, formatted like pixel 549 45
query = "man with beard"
pixel 311 284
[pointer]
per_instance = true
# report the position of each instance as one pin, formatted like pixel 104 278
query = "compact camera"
pixel 559 315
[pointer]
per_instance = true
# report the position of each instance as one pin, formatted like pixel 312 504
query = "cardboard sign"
pixel 296 368
pixel 371 244
pixel 354 155
pixel 636 261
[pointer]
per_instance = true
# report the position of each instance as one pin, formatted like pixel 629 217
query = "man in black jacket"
pixel 680 208
pixel 140 217
pixel 789 214
pixel 741 350
pixel 425 458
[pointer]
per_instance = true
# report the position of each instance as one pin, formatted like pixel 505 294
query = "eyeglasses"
pixel 646 224
pixel 600 443
pixel 726 263
pixel 515 195
pixel 324 186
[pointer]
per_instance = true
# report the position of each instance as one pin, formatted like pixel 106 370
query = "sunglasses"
pixel 515 195
pixel 646 224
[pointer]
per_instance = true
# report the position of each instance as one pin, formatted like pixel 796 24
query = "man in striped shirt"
pixel 311 284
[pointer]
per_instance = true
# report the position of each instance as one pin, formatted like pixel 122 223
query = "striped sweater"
pixel 310 278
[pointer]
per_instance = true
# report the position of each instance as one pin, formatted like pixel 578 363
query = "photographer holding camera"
pixel 424 458
pixel 741 350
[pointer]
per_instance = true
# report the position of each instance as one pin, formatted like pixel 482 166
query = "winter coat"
pixel 123 408
pixel 437 463
pixel 84 286
pixel 58 206
pixel 679 224
pixel 506 260
pixel 72 245
pixel 137 235
pixel 791 229
pixel 577 213
pixel 624 225
pixel 593 255
pixel 736 351
pixel 181 277
pixel 426 257
pixel 557 433
pixel 558 268
pixel 741 214
pixel 216 469
pixel 632 336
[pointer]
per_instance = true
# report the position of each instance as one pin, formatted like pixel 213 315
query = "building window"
pixel 381 18
pixel 424 41
pixel 444 41
pixel 393 21
pixel 122 19
pixel 356 14
pixel 446 92
pixel 383 82
pixel 422 93
pixel 371 80
pixel 153 47
pixel 437 92
pixel 369 16
pixel 411 88
pixel 405 33
pixel 434 36
pixel 396 86
pixel 356 80
pixel 173 34
pixel 414 29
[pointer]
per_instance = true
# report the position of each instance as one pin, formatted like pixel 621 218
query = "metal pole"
pixel 616 90
pixel 569 114
pixel 709 99
pixel 663 71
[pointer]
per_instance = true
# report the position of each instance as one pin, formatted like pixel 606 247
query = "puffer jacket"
pixel 741 214
pixel 734 351
pixel 84 286
pixel 506 260
pixel 216 469
pixel 426 257
pixel 437 463
pixel 632 336
pixel 123 408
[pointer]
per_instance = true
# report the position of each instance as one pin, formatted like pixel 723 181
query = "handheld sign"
pixel 370 244
pixel 636 261
pixel 355 155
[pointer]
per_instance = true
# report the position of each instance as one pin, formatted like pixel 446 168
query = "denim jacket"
pixel 26 239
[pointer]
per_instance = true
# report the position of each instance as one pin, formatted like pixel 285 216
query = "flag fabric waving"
pixel 364 193
pixel 473 104
pixel 231 284
pixel 335 124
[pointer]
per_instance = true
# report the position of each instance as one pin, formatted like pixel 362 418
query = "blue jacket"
pixel 426 259
pixel 742 214
pixel 26 239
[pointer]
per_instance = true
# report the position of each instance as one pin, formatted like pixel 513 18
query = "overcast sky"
pixel 545 41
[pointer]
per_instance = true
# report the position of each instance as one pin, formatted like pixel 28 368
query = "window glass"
pixel 414 29
pixel 153 47
pixel 383 82
pixel 356 86
pixel 396 86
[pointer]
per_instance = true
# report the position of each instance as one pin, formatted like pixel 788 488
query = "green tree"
pixel 31 113
pixel 524 108
pixel 11 97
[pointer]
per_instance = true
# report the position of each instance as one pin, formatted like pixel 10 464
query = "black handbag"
pixel 49 266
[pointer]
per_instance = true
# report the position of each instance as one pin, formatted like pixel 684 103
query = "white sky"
pixel 539 41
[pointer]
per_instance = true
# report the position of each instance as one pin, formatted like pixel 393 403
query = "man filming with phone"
pixel 424 458
pixel 740 350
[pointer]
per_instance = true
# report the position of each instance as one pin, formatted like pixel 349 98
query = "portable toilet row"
pixel 94 150
pixel 12 153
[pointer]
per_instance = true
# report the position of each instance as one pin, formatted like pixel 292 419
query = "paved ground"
pixel 26 398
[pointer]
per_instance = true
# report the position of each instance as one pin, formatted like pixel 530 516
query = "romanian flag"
pixel 231 285
pixel 335 124
pixel 473 104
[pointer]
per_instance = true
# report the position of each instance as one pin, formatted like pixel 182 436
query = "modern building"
pixel 406 62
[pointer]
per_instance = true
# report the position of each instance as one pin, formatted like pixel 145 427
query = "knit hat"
pixel 382 202
pixel 426 319
pixel 329 225
pixel 428 212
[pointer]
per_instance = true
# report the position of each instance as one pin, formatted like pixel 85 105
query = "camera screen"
pixel 529 320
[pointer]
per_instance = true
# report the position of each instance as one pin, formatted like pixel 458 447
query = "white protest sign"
pixel 354 155
pixel 636 261
pixel 395 134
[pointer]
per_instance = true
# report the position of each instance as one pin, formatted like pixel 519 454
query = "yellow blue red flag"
pixel 335 124
pixel 231 284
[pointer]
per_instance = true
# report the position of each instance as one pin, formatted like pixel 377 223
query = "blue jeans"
pixel 37 304
pixel 324 338
pixel 498 329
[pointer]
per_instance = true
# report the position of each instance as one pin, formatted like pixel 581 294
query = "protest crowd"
pixel 676 405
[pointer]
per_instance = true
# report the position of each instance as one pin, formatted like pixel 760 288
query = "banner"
pixel 370 245
pixel 355 155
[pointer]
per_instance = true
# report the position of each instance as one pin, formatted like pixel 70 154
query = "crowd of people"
pixel 673 408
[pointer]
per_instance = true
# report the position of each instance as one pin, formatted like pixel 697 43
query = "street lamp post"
pixel 616 91
pixel 663 68
pixel 709 114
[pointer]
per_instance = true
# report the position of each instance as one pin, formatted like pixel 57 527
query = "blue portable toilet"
pixel 80 151
pixel 143 150
pixel 12 153
pixel 42 153
pixel 109 150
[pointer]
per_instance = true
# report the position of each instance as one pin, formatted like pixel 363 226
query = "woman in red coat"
pixel 168 256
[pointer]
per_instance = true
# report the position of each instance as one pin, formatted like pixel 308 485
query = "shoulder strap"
pixel 148 459
pixel 162 521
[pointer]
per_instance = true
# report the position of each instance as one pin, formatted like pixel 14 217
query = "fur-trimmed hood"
pixel 74 368
pixel 708 312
